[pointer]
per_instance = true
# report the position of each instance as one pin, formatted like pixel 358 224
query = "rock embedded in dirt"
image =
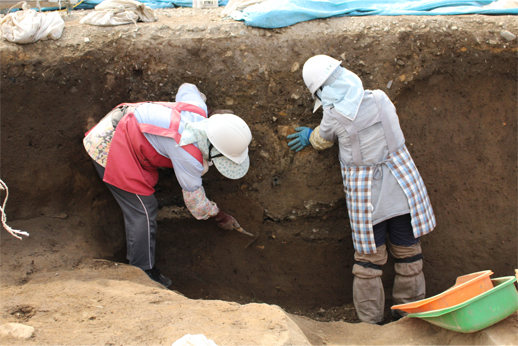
pixel 16 330
pixel 508 35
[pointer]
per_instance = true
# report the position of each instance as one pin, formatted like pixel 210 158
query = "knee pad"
pixel 408 259
pixel 366 270
pixel 400 251
pixel 409 268
pixel 369 265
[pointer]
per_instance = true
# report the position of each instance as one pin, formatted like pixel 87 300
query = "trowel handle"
pixel 241 230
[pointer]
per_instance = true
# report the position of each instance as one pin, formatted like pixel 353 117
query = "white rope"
pixel 13 232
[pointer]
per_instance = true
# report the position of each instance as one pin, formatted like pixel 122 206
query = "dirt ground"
pixel 105 303
pixel 452 79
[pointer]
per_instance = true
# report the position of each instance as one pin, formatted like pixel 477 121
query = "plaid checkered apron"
pixel 357 180
pixel 403 168
pixel 358 183
pixel 357 187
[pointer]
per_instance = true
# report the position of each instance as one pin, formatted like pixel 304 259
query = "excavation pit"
pixel 452 79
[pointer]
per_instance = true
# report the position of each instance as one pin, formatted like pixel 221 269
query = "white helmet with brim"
pixel 316 71
pixel 230 137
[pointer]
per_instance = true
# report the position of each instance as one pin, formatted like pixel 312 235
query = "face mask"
pixel 318 100
pixel 345 94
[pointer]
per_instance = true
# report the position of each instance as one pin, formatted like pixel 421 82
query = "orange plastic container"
pixel 466 287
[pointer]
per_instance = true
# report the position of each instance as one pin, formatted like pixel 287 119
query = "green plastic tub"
pixel 479 312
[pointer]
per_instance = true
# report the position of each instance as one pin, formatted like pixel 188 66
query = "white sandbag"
pixel 502 4
pixel 194 340
pixel 145 13
pixel 28 25
pixel 118 12
pixel 109 18
pixel 238 5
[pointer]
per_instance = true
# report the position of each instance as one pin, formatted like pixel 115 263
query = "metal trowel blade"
pixel 255 237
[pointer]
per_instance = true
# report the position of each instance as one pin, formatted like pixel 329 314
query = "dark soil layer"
pixel 453 81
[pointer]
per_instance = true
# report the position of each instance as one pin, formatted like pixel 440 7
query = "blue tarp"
pixel 280 13
pixel 154 4
pixel 188 3
pixel 90 4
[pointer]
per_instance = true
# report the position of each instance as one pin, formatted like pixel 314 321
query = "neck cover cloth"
pixel 344 93
pixel 197 133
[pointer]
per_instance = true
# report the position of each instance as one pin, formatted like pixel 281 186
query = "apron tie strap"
pixel 378 169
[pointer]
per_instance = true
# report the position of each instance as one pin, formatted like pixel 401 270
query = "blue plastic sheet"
pixel 154 4
pixel 90 4
pixel 188 3
pixel 281 13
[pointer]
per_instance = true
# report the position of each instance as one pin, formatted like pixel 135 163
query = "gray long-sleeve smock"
pixel 388 198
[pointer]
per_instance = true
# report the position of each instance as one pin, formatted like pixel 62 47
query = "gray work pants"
pixel 139 222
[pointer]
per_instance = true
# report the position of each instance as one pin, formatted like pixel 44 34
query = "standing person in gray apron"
pixel 386 198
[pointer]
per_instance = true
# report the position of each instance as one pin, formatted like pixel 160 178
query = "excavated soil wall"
pixel 453 81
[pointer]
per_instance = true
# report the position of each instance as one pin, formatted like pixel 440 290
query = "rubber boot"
pixel 409 282
pixel 368 293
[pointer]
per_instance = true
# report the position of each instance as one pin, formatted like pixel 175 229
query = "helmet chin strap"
pixel 210 153
pixel 318 99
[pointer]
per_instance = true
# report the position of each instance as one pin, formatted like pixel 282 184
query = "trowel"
pixel 241 230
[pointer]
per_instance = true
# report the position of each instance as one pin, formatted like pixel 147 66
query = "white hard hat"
pixel 317 70
pixel 230 135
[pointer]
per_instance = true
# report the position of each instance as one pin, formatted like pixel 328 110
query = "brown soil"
pixel 453 81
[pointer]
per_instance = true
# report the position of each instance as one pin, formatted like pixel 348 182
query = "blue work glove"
pixel 301 138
